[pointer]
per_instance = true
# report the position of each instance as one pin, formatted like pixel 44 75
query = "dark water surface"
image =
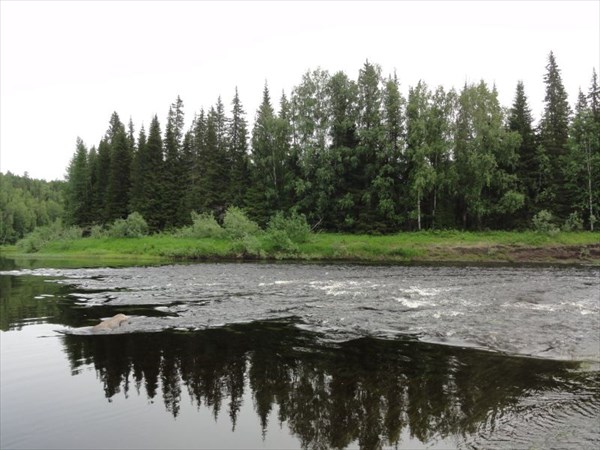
pixel 300 355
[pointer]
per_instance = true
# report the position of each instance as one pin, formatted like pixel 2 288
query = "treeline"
pixel 355 156
pixel 26 203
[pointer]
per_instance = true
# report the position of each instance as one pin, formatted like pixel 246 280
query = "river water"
pixel 257 355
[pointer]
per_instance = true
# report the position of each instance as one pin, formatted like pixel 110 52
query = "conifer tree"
pixel 554 134
pixel 194 192
pixel 119 180
pixel 527 169
pixel 102 171
pixel 264 195
pixel 173 188
pixel 78 198
pixel 237 136
pixel 136 195
pixel 147 191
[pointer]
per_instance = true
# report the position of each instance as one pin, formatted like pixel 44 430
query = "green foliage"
pixel 134 226
pixel 294 226
pixel 573 223
pixel 247 246
pixel 237 225
pixel 42 236
pixel 543 222
pixel 203 226
pixel 351 155
pixel 26 203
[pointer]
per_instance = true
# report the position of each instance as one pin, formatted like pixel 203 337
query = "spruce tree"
pixel 194 192
pixel 173 188
pixel 78 193
pixel 264 195
pixel 527 169
pixel 102 169
pixel 554 134
pixel 237 136
pixel 148 190
pixel 136 195
pixel 375 212
pixel 119 180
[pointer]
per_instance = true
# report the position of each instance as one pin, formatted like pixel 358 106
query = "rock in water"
pixel 112 323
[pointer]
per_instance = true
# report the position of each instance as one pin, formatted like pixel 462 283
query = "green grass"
pixel 415 246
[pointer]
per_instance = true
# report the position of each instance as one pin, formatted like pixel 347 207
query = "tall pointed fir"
pixel 136 194
pixel 213 163
pixel 237 135
pixel 390 169
pixel 119 181
pixel 554 134
pixel 173 189
pixel 264 195
pixel 100 191
pixel 283 142
pixel 195 190
pixel 78 192
pixel 147 191
pixel 528 171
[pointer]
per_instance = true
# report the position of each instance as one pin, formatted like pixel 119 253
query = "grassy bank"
pixel 571 247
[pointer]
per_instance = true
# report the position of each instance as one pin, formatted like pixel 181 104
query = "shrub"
pixel 573 223
pixel 132 227
pixel 543 223
pixel 294 226
pixel 98 231
pixel 280 242
pixel 237 225
pixel 41 236
pixel 247 245
pixel 203 226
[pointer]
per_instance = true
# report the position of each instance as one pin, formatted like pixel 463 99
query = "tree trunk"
pixel 419 210
pixel 589 170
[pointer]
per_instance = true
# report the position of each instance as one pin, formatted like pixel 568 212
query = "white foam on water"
pixel 411 303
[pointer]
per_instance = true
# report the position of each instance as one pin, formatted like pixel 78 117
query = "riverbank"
pixel 442 246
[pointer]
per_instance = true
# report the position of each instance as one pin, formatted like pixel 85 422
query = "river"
pixel 282 355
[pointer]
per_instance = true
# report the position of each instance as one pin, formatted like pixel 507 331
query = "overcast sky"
pixel 66 66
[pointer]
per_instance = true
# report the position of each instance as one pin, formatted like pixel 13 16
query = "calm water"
pixel 300 356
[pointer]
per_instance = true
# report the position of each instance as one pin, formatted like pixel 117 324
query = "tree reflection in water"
pixel 330 395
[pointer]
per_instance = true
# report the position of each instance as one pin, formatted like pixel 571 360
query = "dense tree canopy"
pixel 355 155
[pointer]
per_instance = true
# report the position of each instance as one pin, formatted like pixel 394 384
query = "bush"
pixel 573 223
pixel 543 223
pixel 248 246
pixel 203 226
pixel 294 226
pixel 98 231
pixel 280 242
pixel 41 236
pixel 237 225
pixel 133 227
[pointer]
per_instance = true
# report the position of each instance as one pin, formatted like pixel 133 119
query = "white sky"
pixel 66 66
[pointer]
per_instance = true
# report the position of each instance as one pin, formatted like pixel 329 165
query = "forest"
pixel 353 156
